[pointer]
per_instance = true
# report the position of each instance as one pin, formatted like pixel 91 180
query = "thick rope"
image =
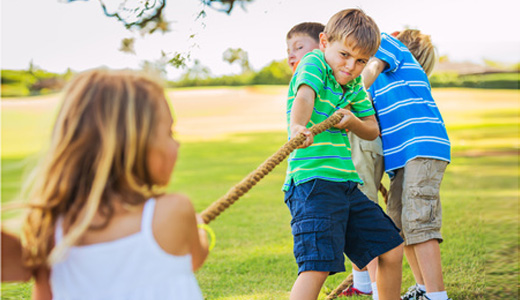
pixel 210 213
pixel 384 193
pixel 341 287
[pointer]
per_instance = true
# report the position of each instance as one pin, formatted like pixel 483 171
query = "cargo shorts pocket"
pixel 423 209
pixel 312 239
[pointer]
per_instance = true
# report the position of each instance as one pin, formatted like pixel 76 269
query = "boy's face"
pixel 346 63
pixel 299 45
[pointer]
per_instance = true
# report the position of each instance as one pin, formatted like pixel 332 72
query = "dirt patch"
pixel 201 114
pixel 456 99
pixel 214 113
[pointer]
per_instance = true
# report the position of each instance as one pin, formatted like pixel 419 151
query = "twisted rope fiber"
pixel 341 287
pixel 210 213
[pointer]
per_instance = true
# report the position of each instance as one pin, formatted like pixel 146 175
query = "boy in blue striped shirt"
pixel 330 216
pixel 416 151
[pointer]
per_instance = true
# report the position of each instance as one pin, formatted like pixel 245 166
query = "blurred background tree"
pixel 147 17
pixel 237 55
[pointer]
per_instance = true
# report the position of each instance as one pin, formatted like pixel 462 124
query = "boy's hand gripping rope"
pixel 210 213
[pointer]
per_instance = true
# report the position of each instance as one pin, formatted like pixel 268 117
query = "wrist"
pixel 208 234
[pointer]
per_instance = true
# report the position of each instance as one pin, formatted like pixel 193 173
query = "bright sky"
pixel 57 35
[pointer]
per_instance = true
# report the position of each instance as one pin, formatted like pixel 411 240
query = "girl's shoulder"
pixel 176 206
pixel 173 223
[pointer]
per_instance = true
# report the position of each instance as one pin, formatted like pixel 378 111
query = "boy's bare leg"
pixel 372 269
pixel 428 256
pixel 409 252
pixel 390 273
pixel 308 285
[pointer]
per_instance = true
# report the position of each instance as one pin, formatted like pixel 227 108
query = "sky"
pixel 57 35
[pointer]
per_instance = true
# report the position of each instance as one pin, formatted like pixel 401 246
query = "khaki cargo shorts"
pixel 414 202
pixel 367 157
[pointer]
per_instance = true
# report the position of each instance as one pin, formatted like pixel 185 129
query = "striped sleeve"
pixel 391 52
pixel 310 71
pixel 361 104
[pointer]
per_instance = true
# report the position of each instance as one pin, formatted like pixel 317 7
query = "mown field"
pixel 253 256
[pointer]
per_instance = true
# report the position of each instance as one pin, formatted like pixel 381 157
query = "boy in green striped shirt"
pixel 330 215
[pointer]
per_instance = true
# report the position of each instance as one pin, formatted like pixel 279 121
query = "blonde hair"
pixel 420 45
pixel 98 150
pixel 354 24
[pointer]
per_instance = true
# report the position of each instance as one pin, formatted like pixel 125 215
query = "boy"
pixel 330 216
pixel 367 156
pixel 416 151
pixel 302 39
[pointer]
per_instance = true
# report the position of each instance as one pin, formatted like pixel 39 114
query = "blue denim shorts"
pixel 332 218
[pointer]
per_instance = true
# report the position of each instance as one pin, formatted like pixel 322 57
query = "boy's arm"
pixel 364 127
pixel 374 67
pixel 301 112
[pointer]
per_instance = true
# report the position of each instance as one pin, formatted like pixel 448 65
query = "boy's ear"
pixel 323 41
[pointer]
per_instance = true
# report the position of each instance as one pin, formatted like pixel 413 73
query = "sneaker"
pixel 352 291
pixel 414 293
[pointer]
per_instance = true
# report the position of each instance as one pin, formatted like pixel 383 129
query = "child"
pixel 367 156
pixel 96 218
pixel 330 216
pixel 302 39
pixel 416 151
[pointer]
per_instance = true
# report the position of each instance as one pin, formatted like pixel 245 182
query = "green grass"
pixel 253 255
pixel 482 81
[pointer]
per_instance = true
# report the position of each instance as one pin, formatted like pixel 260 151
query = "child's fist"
pixel 345 122
pixel 309 138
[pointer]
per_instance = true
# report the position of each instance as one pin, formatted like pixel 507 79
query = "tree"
pixel 224 5
pixel 237 55
pixel 277 72
pixel 147 17
pixel 196 72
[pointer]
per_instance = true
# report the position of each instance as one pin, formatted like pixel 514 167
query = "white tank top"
pixel 130 268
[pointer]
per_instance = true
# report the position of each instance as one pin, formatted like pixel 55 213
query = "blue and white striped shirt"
pixel 411 124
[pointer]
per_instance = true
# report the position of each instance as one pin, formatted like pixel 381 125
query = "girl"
pixel 97 219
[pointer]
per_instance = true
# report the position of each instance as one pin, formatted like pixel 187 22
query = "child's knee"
pixel 393 256
pixel 316 275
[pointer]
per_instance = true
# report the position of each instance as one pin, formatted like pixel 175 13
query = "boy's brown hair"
pixel 420 45
pixel 311 29
pixel 354 24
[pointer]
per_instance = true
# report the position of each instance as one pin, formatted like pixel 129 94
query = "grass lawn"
pixel 253 255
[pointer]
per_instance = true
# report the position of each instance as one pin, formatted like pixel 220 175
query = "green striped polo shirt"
pixel 329 157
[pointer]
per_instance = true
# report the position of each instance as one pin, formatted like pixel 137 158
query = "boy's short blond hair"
pixel 311 29
pixel 354 24
pixel 420 45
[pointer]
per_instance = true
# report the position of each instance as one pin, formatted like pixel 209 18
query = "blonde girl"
pixel 97 219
